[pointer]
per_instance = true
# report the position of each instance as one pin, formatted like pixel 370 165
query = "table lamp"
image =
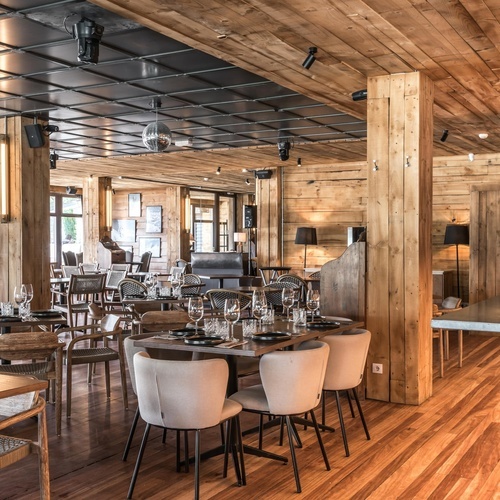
pixel 240 238
pixel 456 234
pixel 306 236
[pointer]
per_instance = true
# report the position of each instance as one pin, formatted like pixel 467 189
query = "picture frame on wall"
pixel 134 205
pixel 150 244
pixel 123 230
pixel 154 219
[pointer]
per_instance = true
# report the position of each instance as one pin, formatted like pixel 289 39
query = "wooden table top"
pixel 482 317
pixel 253 348
pixel 13 385
pixel 46 320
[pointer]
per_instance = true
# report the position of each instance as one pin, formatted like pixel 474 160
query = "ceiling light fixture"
pixel 88 34
pixel 444 136
pixel 309 60
pixel 217 172
pixel 483 135
pixel 299 162
pixel 53 157
pixel 247 182
pixel 360 95
pixel 284 149
pixel 156 136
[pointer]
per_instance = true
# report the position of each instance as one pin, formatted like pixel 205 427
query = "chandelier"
pixel 156 136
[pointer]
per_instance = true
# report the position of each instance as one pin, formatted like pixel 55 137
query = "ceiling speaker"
pixel 35 135
pixel 263 174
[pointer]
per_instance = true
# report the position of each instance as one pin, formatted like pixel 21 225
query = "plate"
pixel 10 318
pixel 184 332
pixel 270 336
pixel 203 340
pixel 46 313
pixel 323 324
pixel 338 318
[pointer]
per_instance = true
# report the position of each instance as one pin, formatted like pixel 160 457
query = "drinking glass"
pixel 232 314
pixel 259 305
pixel 287 299
pixel 175 280
pixel 195 310
pixel 28 289
pixel 313 300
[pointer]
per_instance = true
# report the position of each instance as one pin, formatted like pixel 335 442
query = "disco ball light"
pixel 157 137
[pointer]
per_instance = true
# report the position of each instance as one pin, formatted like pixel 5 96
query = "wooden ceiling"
pixel 455 43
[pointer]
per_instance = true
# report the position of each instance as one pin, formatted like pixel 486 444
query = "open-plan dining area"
pixel 249 249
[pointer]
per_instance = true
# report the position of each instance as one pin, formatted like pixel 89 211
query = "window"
pixel 66 225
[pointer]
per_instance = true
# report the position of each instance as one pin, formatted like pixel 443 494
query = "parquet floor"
pixel 448 447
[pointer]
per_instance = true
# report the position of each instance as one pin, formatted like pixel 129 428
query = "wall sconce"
pixel 4 179
pixel 187 213
pixel 240 238
pixel 109 207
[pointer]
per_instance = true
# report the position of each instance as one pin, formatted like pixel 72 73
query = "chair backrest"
pixel 114 277
pixel 143 267
pixel 295 280
pixel 130 287
pixel 180 394
pixel 347 360
pixel 192 279
pixel 86 284
pixel 274 292
pixel 218 296
pixel 451 303
pixel 120 267
pixel 110 322
pixel 293 380
pixel 88 267
pixel 315 275
pixel 69 258
pixel 67 271
pixel 157 321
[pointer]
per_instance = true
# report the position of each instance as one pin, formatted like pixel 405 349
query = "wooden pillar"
pixel 94 214
pixel 399 224
pixel 176 230
pixel 24 239
pixel 269 220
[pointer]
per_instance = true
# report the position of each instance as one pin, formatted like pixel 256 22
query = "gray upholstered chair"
pixel 186 395
pixel 344 372
pixel 304 372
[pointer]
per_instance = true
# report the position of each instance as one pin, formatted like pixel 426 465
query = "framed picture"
pixel 134 205
pixel 123 230
pixel 153 219
pixel 152 245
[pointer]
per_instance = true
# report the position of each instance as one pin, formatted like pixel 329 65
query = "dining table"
pixel 290 337
pixel 14 385
pixel 221 277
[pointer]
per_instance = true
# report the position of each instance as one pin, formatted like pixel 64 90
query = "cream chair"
pixel 186 395
pixel 344 372
pixel 452 304
pixel 304 372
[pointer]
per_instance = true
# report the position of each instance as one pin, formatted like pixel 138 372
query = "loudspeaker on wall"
pixel 35 135
pixel 249 216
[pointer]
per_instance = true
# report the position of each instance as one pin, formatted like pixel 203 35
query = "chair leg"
pixel 197 465
pixel 342 426
pixel 241 451
pixel 323 408
pixel 69 370
pixel 320 441
pixel 446 335
pixel 296 436
pixel 292 453
pixel 231 438
pixel 43 456
pixel 164 436
pixel 186 451
pixel 131 435
pixel 177 451
pixel 108 379
pixel 226 444
pixel 460 347
pixel 353 415
pixel 261 430
pixel 441 353
pixel 138 461
pixel 361 414
pixel 282 423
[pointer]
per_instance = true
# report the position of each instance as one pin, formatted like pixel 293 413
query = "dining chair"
pixel 37 354
pixel 192 285
pixel 17 409
pixel 448 305
pixel 97 350
pixel 88 267
pixel 274 293
pixel 218 296
pixel 67 271
pixel 143 267
pixel 304 372
pixel 437 333
pixel 111 295
pixel 187 395
pixel 295 280
pixel 129 287
pixel 120 267
pixel 157 321
pixel 344 372
pixel 69 258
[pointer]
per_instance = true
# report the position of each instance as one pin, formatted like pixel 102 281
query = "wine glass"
pixel 28 287
pixel 149 282
pixel 195 310
pixel 232 314
pixel 287 299
pixel 313 300
pixel 20 298
pixel 259 305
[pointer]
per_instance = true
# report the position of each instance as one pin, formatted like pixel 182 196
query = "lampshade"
pixel 240 237
pixel 306 236
pixel 456 234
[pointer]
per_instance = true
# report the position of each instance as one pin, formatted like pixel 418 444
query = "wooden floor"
pixel 449 447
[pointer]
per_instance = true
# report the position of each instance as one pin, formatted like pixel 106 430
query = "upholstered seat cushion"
pixel 252 398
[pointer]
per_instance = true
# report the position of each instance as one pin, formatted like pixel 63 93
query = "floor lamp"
pixel 456 234
pixel 306 236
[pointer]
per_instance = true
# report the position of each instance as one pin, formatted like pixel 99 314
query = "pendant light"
pixel 156 136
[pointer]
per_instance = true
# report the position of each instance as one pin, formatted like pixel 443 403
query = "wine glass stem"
pixel 288 313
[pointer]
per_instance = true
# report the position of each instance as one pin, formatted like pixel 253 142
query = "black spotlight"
pixel 70 190
pixel 309 60
pixel 284 150
pixel 53 157
pixel 359 95
pixel 88 35
pixel 444 136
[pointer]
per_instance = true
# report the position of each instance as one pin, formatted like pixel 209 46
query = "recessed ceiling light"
pixel 206 179
pixel 483 135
